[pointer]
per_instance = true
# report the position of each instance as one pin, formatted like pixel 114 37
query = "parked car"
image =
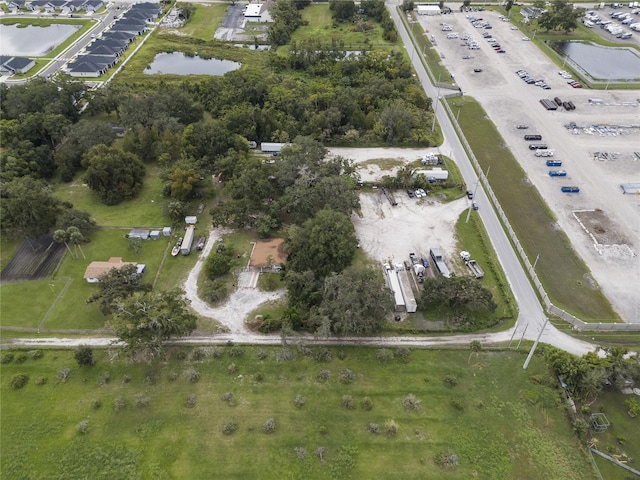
pixel 469 194
pixel 410 193
pixel 474 205
pixel 477 70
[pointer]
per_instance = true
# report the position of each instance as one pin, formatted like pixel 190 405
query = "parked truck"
pixel 439 262
pixel 554 163
pixel 476 271
pixel 570 189
pixel 557 173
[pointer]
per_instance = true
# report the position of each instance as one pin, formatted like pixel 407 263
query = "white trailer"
pixel 394 284
pixel 187 242
pixel 407 292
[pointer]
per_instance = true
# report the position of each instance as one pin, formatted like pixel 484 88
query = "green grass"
pixel 503 432
pixel 147 209
pixel 559 268
pixel 205 21
pixel 8 248
pixel 25 304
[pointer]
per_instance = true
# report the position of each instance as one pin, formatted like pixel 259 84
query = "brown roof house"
pixel 95 270
pixel 268 255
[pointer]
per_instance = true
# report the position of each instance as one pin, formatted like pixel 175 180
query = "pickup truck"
pixel 554 163
pixel 414 258
pixel 557 173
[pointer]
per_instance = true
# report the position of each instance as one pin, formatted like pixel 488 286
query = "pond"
pixel 32 40
pixel 602 63
pixel 181 64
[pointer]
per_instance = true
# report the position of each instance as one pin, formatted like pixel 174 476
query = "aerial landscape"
pixel 296 239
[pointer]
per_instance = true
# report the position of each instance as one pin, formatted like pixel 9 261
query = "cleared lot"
pixel 509 102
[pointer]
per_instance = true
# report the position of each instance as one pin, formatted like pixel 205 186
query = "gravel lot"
pixel 509 101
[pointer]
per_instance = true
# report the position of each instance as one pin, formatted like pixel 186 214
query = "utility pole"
pixel 535 345
pixel 471 204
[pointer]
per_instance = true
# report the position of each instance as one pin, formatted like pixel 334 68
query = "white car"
pixel 525 39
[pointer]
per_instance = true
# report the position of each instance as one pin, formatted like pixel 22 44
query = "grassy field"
pixel 205 21
pixel 500 421
pixel 560 270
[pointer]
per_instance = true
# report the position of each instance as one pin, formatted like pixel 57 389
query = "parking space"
pixel 575 136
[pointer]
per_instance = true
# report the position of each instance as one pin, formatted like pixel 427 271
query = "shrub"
pixel 262 355
pixel 390 428
pixel 320 451
pixel 193 375
pixel 232 368
pixel 374 428
pixel 97 404
pixel 126 379
pixel 191 400
pixel 217 352
pixel 142 401
pixel 323 355
pixel 402 353
pixel 341 354
pixel 586 410
pixel 259 377
pixel 366 403
pixel 284 355
pixel 150 378
pixel 35 354
pixel 41 381
pixel 450 381
pixel 269 426
pixel 448 459
pixel 299 401
pixel 7 358
pixel 457 403
pixel 198 354
pixel 104 379
pixel 64 374
pixel 347 402
pixel 306 351
pixel 323 430
pixel 236 352
pixel 384 355
pixel 21 358
pixel 82 427
pixel 621 440
pixel 227 397
pixel 324 375
pixel 301 452
pixel 19 380
pixel 347 376
pixel 229 426
pixel 119 404
pixel 84 356
pixel 181 355
pixel 410 402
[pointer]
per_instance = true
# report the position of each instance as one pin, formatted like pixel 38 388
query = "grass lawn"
pixel 559 268
pixel 501 422
pixel 205 21
pixel 147 209
pixel 8 248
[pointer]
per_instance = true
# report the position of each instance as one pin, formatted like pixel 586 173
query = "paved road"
pixel 531 316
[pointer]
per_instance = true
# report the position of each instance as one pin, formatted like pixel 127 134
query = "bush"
pixel 410 402
pixel 19 380
pixel 236 352
pixel 448 459
pixel 450 381
pixel 269 426
pixel 262 355
pixel 64 374
pixel 7 358
pixel 621 440
pixel 323 430
pixel 217 352
pixel 181 355
pixel 402 353
pixel 586 410
pixel 366 403
pixel 320 451
pixel 35 354
pixel 119 404
pixel 97 404
pixel 227 397
pixel 126 379
pixel 82 427
pixel 299 401
pixel 198 354
pixel 232 368
pixel 323 355
pixel 374 428
pixel 104 379
pixel 284 355
pixel 258 377
pixel 191 400
pixel 347 376
pixel 41 381
pixel 193 375
pixel 390 428
pixel 301 452
pixel 150 378
pixel 457 403
pixel 341 354
pixel 21 358
pixel 142 401
pixel 84 356
pixel 384 355
pixel 347 402
pixel 324 375
pixel 229 426
pixel 306 351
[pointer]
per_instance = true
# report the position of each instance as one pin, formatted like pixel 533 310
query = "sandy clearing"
pixel 509 101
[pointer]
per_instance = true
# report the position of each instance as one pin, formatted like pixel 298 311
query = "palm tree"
pixel 60 236
pixel 76 238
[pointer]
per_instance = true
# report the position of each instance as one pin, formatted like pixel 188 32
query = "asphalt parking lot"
pixel 509 101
